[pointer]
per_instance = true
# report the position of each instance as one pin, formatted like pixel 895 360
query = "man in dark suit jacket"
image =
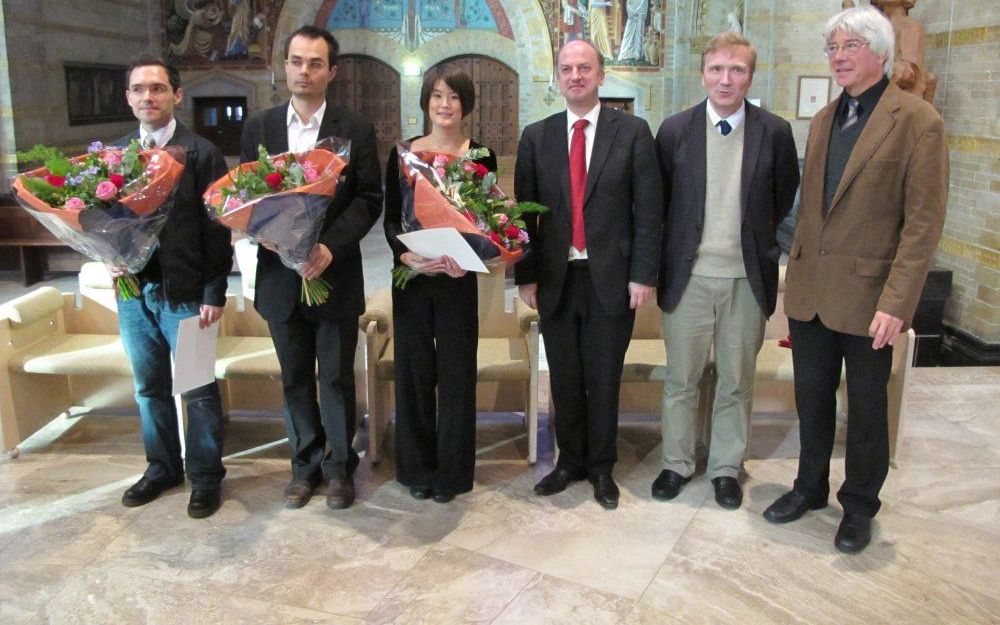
pixel 185 277
pixel 719 268
pixel 874 191
pixel 326 332
pixel 592 260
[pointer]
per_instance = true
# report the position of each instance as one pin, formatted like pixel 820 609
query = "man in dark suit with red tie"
pixel 328 332
pixel 593 260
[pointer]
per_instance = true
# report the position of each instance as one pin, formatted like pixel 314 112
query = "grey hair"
pixel 871 25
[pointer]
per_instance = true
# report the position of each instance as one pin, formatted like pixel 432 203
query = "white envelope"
pixel 437 242
pixel 194 361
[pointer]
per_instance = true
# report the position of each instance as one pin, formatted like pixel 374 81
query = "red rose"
pixel 481 170
pixel 117 179
pixel 512 232
pixel 56 181
pixel 496 238
pixel 274 180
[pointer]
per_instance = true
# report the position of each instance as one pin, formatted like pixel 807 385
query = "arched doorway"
pixel 368 86
pixel 494 120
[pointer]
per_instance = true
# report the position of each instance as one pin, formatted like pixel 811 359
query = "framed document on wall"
pixel 814 94
pixel 95 94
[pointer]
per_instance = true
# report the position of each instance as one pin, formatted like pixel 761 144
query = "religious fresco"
pixel 629 34
pixel 413 23
pixel 200 33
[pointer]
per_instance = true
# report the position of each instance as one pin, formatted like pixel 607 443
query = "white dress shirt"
pixel 302 136
pixel 162 136
pixel 588 133
pixel 734 120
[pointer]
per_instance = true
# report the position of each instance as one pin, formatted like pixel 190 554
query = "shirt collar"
pixel 317 118
pixel 867 100
pixel 734 120
pixel 161 136
pixel 591 117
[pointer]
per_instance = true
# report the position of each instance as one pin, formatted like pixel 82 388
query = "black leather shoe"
pixel 605 491
pixel 556 482
pixel 420 492
pixel 790 507
pixel 443 497
pixel 341 494
pixel 668 485
pixel 146 490
pixel 298 493
pixel 854 534
pixel 204 502
pixel 728 493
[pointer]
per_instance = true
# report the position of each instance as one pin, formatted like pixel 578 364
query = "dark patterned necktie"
pixel 852 114
pixel 149 143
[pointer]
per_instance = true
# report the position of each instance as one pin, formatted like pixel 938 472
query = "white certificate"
pixel 434 243
pixel 194 361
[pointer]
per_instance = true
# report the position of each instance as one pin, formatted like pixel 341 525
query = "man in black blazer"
pixel 592 260
pixel 328 332
pixel 719 266
pixel 185 277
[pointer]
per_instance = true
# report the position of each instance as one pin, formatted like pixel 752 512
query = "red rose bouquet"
pixel 447 191
pixel 280 201
pixel 109 204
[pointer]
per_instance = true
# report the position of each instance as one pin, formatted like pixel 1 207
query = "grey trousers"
pixel 720 316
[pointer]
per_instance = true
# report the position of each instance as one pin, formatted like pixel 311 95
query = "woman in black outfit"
pixel 436 324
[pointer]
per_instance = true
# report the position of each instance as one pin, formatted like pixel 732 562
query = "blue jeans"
pixel 148 325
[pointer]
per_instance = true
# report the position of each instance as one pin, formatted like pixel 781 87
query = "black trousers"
pixel 817 353
pixel 436 331
pixel 585 348
pixel 320 433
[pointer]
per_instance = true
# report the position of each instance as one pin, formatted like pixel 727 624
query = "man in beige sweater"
pixel 719 262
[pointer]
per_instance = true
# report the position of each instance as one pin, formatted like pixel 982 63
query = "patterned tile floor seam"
pixel 513 599
pixel 680 537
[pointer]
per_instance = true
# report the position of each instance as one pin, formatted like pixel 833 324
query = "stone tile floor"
pixel 70 553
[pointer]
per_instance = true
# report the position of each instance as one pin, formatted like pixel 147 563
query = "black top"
pixel 392 219
pixel 194 255
pixel 842 141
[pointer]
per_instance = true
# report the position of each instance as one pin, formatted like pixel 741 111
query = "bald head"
pixel 580 70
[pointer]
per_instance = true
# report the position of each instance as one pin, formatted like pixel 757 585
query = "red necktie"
pixel 578 182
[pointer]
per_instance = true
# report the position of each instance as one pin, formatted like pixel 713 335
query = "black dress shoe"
pixel 146 490
pixel 668 485
pixel 420 492
pixel 854 534
pixel 441 497
pixel 556 482
pixel 204 502
pixel 341 494
pixel 728 493
pixel 298 493
pixel 605 491
pixel 790 507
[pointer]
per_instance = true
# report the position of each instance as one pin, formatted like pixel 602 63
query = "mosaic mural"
pixel 219 32
pixel 628 33
pixel 413 23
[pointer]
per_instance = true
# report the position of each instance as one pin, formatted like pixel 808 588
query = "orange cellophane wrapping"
pixel 239 218
pixel 433 210
pixel 142 202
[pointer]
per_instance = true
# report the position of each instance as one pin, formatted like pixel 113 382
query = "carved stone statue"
pixel 909 70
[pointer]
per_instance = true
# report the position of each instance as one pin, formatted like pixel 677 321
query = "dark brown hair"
pixel 145 60
pixel 313 32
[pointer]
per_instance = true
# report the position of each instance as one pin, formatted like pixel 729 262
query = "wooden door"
pixel 220 120
pixel 494 120
pixel 371 88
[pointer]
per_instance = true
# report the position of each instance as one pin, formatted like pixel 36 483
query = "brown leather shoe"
pixel 341 493
pixel 297 493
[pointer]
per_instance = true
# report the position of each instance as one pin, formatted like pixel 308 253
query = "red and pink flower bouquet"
pixel 109 204
pixel 280 201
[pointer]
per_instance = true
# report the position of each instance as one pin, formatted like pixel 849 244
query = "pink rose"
pixel 74 203
pixel 469 167
pixel 232 203
pixel 440 171
pixel 440 160
pixel 106 191
pixel 112 158
pixel 309 170
pixel 502 219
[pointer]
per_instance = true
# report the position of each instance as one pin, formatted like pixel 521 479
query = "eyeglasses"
pixel 314 66
pixel 850 47
pixel 156 90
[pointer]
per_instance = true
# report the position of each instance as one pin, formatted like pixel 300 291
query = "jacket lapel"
pixel 331 120
pixel 753 135
pixel 276 131
pixel 556 144
pixel 604 138
pixel 697 150
pixel 816 151
pixel 882 119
